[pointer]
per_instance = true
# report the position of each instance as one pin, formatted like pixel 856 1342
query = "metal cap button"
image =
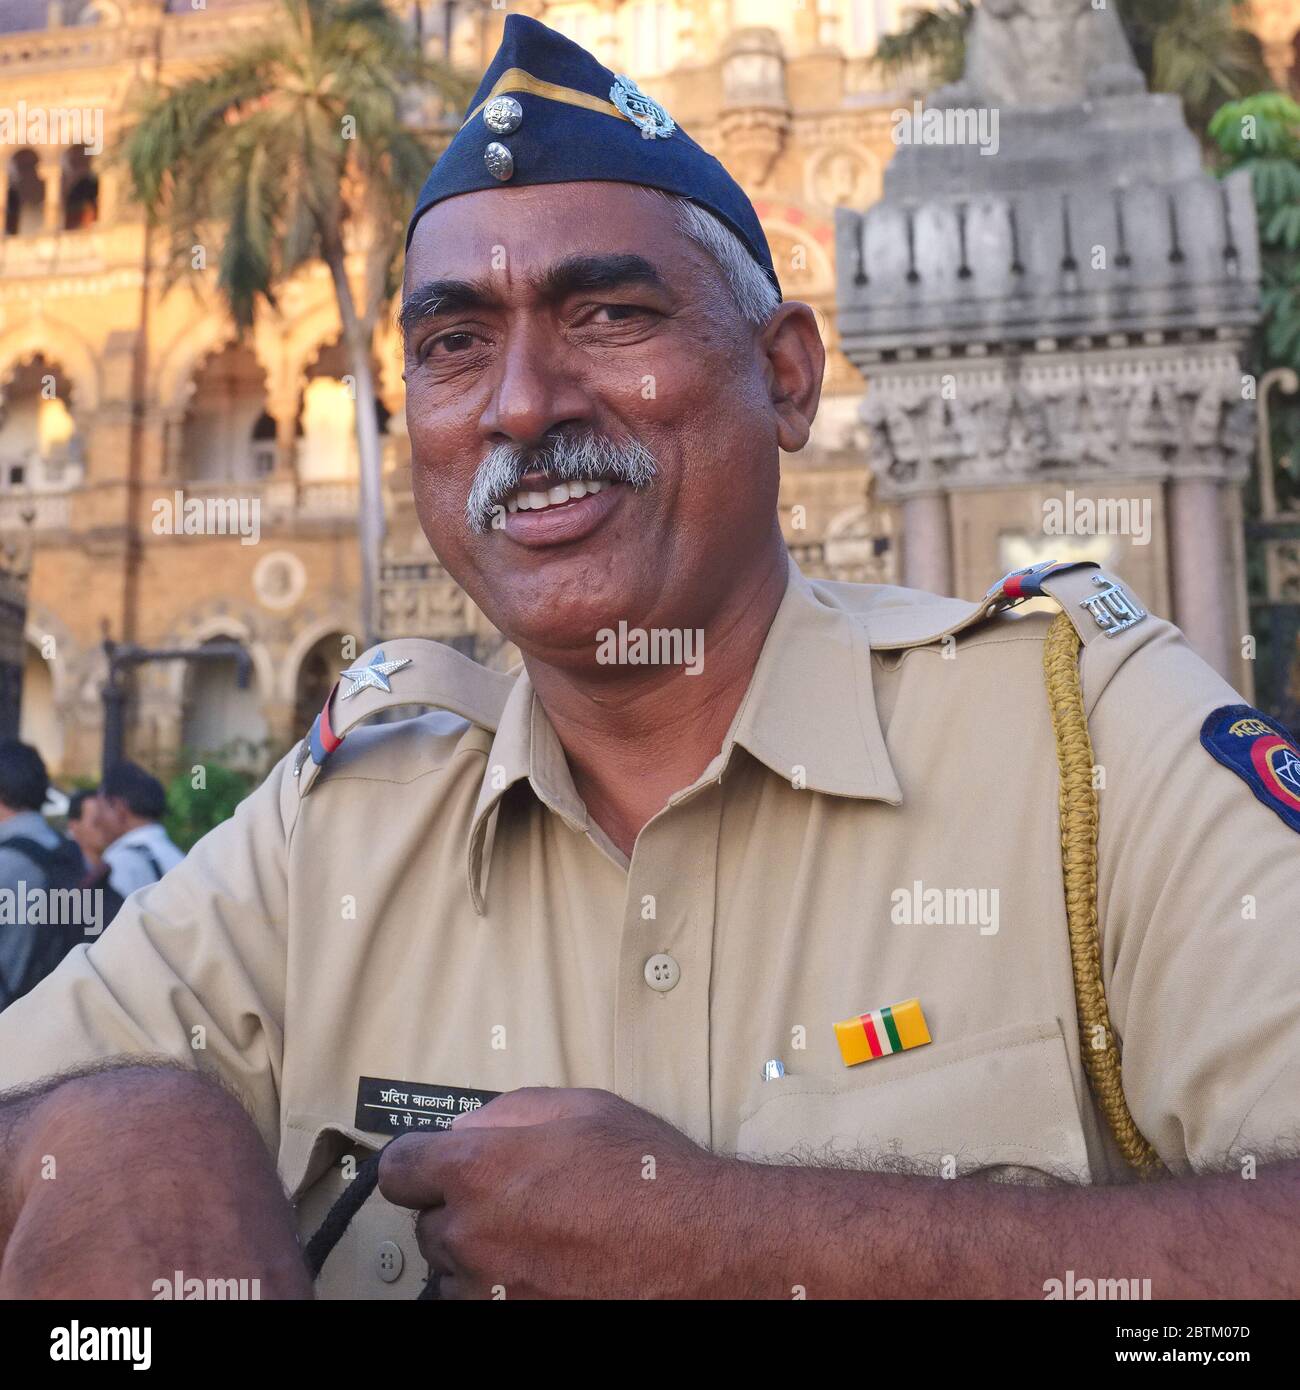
pixel 500 162
pixel 503 115
pixel 389 1261
pixel 662 972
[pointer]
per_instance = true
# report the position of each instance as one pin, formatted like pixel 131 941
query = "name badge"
pixel 388 1107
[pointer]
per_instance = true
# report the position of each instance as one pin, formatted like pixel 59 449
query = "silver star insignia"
pixel 375 675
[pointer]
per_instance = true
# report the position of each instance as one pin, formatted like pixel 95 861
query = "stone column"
pixel 109 193
pixel 927 543
pixel 1203 586
pixel 50 169
pixel 286 442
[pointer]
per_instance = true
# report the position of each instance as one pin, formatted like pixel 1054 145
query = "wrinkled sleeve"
pixel 192 968
pixel 1198 894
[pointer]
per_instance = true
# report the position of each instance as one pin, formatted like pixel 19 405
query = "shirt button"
pixel 389 1262
pixel 662 972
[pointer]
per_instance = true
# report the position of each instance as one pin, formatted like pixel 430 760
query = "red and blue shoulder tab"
pixel 1028 582
pixel 428 675
pixel 1261 752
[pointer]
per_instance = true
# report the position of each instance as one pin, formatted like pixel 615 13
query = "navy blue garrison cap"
pixel 547 112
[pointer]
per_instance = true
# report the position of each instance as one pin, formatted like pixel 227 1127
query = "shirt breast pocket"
pixel 1001 1104
pixel 377 1256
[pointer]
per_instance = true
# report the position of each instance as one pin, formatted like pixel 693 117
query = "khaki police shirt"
pixel 433 908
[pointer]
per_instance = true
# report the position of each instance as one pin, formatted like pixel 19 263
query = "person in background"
pixel 34 859
pixel 129 807
pixel 85 832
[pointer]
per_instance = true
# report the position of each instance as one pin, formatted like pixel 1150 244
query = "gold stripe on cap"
pixel 517 80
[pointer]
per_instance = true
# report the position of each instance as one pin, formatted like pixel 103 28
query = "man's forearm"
pixel 113 1180
pixel 842 1234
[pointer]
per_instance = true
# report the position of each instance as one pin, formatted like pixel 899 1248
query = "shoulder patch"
pixel 1261 752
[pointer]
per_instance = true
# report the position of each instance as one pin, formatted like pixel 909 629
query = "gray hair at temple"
pixel 755 295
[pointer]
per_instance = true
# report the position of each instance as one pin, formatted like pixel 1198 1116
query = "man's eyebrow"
pixel 577 273
pixel 572 275
pixel 443 297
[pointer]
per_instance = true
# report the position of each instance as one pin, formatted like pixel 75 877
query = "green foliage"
pixel 1198 49
pixel 281 145
pixel 192 812
pixel 1262 135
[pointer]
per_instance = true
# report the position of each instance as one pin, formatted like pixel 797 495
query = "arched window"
pixel 218 438
pixel 263 446
pixel 39 444
pixel 25 207
pixel 221 719
pixel 81 200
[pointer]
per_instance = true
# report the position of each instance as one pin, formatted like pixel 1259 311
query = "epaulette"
pixel 1098 606
pixel 405 671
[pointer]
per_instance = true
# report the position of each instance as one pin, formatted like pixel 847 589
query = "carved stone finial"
pixel 1043 53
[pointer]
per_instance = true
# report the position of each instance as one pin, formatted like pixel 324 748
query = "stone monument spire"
pixel 1052 293
pixel 1044 53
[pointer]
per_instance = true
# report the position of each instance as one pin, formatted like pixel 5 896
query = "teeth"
pixel 553 497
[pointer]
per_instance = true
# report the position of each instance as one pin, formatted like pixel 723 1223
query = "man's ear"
pixel 796 359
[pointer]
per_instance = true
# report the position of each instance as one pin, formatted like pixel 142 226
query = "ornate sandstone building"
pixel 115 397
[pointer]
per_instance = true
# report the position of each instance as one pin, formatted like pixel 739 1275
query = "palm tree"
pixel 1196 49
pixel 932 41
pixel 291 149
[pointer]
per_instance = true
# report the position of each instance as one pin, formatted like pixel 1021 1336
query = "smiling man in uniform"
pixel 677 977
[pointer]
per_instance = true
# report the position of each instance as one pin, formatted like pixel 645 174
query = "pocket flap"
pixel 1003 1099
pixel 311 1145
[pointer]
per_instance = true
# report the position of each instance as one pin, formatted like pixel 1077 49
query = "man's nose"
pixel 538 390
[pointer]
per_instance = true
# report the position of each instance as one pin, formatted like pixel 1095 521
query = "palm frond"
pixel 281 143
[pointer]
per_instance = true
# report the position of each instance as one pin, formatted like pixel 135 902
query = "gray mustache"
pixel 567 458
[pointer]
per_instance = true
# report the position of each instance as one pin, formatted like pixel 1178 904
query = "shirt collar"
pixel 810 711
pixel 809 715
pixel 25 824
pixel 139 834
pixel 525 747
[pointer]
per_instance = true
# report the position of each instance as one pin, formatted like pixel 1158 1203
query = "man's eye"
pixel 450 342
pixel 617 313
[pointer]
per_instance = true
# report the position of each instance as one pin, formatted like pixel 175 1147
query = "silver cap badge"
pixel 641 110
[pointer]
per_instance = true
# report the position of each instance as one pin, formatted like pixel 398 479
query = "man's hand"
pixel 565 1193
pixel 554 1193
pixel 114 1181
